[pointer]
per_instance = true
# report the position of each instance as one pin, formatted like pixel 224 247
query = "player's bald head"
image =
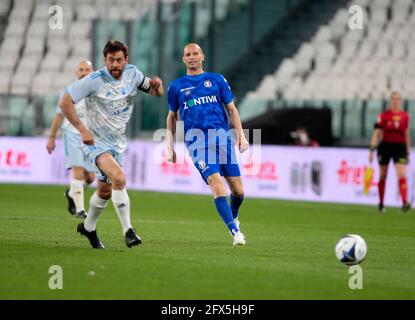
pixel 193 58
pixel 84 68
pixel 192 47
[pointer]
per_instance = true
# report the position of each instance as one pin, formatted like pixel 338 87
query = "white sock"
pixel 96 206
pixel 121 203
pixel 76 192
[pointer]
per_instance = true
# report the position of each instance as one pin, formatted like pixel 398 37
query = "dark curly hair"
pixel 113 46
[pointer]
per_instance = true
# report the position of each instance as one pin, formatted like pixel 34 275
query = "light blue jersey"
pixel 109 103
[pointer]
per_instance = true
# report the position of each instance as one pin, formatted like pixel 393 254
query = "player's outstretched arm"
pixel 56 124
pixel 171 131
pixel 156 87
pixel 242 143
pixel 68 109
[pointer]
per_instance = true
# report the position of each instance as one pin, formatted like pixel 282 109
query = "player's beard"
pixel 117 75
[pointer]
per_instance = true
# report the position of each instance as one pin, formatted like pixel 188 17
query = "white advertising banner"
pixel 295 173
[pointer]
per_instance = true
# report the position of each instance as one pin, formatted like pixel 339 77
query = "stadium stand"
pixel 40 59
pixel 298 53
pixel 356 67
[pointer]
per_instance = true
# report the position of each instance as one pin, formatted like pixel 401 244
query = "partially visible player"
pixel 75 159
pixel 392 129
pixel 108 93
pixel 200 97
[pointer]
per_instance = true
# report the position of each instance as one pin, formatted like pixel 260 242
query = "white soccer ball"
pixel 351 249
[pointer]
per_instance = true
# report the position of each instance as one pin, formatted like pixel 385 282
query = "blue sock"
pixel 225 212
pixel 235 204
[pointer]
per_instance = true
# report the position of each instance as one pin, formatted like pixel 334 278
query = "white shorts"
pixel 74 154
pixel 92 151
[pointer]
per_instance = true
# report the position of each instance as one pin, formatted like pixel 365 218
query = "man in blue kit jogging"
pixel 199 97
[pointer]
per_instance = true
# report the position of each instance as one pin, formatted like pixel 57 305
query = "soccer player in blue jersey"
pixel 199 97
pixel 108 93
pixel 75 159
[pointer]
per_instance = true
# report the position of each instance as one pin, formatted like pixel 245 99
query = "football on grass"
pixel 351 249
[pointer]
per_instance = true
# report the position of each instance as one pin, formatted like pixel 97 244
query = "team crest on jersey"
pixel 201 164
pixel 207 84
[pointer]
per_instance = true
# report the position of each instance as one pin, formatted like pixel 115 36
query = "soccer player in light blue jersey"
pixel 75 158
pixel 108 93
pixel 199 97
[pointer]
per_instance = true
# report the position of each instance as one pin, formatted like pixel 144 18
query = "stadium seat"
pixel 4 7
pixel 52 62
pixel 37 29
pixel 34 45
pixel 41 83
pixel 61 81
pixel 353 117
pixel 41 12
pixel 82 47
pixel 17 107
pixel 221 9
pixel 11 45
pixel 50 103
pixel 16 28
pixel 251 107
pixel 4 115
pixel 80 29
pixel 28 120
pixel 336 116
pixel 8 62
pixel 29 63
pixel 4 82
pixel 373 109
pixel 58 46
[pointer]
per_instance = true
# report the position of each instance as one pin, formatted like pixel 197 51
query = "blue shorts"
pixel 92 151
pixel 219 159
pixel 74 154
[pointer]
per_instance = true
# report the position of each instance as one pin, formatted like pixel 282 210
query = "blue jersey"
pixel 200 101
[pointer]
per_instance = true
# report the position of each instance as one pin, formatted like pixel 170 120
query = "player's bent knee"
pixel 78 173
pixel 89 178
pixel 238 193
pixel 216 184
pixel 119 180
pixel 105 195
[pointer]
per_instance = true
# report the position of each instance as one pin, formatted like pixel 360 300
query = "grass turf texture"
pixel 187 252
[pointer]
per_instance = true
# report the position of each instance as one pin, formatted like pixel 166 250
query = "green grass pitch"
pixel 187 252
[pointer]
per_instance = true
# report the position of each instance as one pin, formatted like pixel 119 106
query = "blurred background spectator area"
pixel 280 57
